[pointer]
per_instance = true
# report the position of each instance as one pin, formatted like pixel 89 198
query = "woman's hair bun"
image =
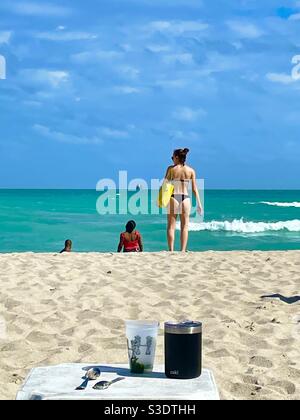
pixel 181 154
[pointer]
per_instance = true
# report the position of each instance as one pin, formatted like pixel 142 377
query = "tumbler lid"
pixel 184 327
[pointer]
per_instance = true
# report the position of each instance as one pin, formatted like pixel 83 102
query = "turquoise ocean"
pixel 41 220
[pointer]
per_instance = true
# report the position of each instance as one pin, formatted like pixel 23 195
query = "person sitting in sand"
pixel 131 240
pixel 68 246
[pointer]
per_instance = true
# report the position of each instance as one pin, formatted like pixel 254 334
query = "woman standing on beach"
pixel 180 175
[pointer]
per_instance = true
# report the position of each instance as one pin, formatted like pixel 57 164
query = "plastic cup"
pixel 141 344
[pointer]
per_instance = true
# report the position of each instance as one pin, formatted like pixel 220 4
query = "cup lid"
pixel 142 324
pixel 183 327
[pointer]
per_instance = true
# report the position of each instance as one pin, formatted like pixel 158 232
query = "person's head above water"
pixel 131 225
pixel 68 244
pixel 179 156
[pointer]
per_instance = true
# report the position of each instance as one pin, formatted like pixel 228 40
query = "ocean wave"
pixel 239 226
pixel 294 204
pixel 278 204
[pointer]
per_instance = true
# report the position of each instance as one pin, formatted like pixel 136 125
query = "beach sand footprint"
pixel 284 386
pixel 261 361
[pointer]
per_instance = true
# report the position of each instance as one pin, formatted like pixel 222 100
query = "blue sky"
pixel 100 85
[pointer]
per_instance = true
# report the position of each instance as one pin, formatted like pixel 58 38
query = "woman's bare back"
pixel 181 175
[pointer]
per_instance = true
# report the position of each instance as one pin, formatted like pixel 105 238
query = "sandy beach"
pixel 71 308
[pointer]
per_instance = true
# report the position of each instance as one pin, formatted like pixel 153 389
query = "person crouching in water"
pixel 131 240
pixel 68 246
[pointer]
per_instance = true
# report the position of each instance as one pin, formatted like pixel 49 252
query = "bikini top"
pixel 180 180
pixel 133 244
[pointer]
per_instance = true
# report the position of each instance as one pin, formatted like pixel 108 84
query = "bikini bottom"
pixel 180 197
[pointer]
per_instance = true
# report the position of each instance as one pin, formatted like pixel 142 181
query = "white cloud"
pixel 186 136
pixel 95 56
pixel 195 82
pixel 176 27
pixel 129 72
pixel 216 63
pixel 37 9
pixel 237 45
pixel 126 90
pixel 295 17
pixel 35 104
pixel 185 58
pixel 158 48
pixel 114 133
pixel 172 84
pixel 66 36
pixel 170 3
pixel 51 78
pixel 126 47
pixel 280 78
pixel 245 29
pixel 63 137
pixel 189 114
pixel 5 37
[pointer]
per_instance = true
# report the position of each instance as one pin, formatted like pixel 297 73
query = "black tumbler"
pixel 183 349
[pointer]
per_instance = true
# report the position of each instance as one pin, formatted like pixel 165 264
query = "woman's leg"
pixel 185 219
pixel 172 217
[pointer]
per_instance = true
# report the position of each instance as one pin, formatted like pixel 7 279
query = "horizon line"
pixel 117 189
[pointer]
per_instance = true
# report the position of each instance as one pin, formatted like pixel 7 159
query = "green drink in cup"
pixel 141 344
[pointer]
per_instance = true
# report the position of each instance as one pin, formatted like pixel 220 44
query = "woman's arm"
pixel 121 243
pixel 168 176
pixel 141 244
pixel 196 192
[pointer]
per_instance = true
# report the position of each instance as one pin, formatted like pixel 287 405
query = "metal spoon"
pixel 106 384
pixel 91 375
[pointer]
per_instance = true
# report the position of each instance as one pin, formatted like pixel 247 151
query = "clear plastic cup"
pixel 141 344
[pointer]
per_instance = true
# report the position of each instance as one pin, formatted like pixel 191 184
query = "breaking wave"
pixel 278 204
pixel 240 226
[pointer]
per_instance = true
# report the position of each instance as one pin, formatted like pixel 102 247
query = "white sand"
pixel 68 308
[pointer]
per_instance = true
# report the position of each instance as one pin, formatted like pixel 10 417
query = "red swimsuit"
pixel 131 246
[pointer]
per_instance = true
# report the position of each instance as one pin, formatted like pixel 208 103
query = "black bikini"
pixel 180 197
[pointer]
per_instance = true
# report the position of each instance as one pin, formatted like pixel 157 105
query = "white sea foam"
pixel 294 204
pixel 240 226
pixel 278 204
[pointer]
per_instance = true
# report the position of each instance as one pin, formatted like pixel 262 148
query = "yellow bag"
pixel 165 194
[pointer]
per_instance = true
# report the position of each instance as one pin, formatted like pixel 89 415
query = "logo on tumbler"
pixel 174 372
pixel 137 343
